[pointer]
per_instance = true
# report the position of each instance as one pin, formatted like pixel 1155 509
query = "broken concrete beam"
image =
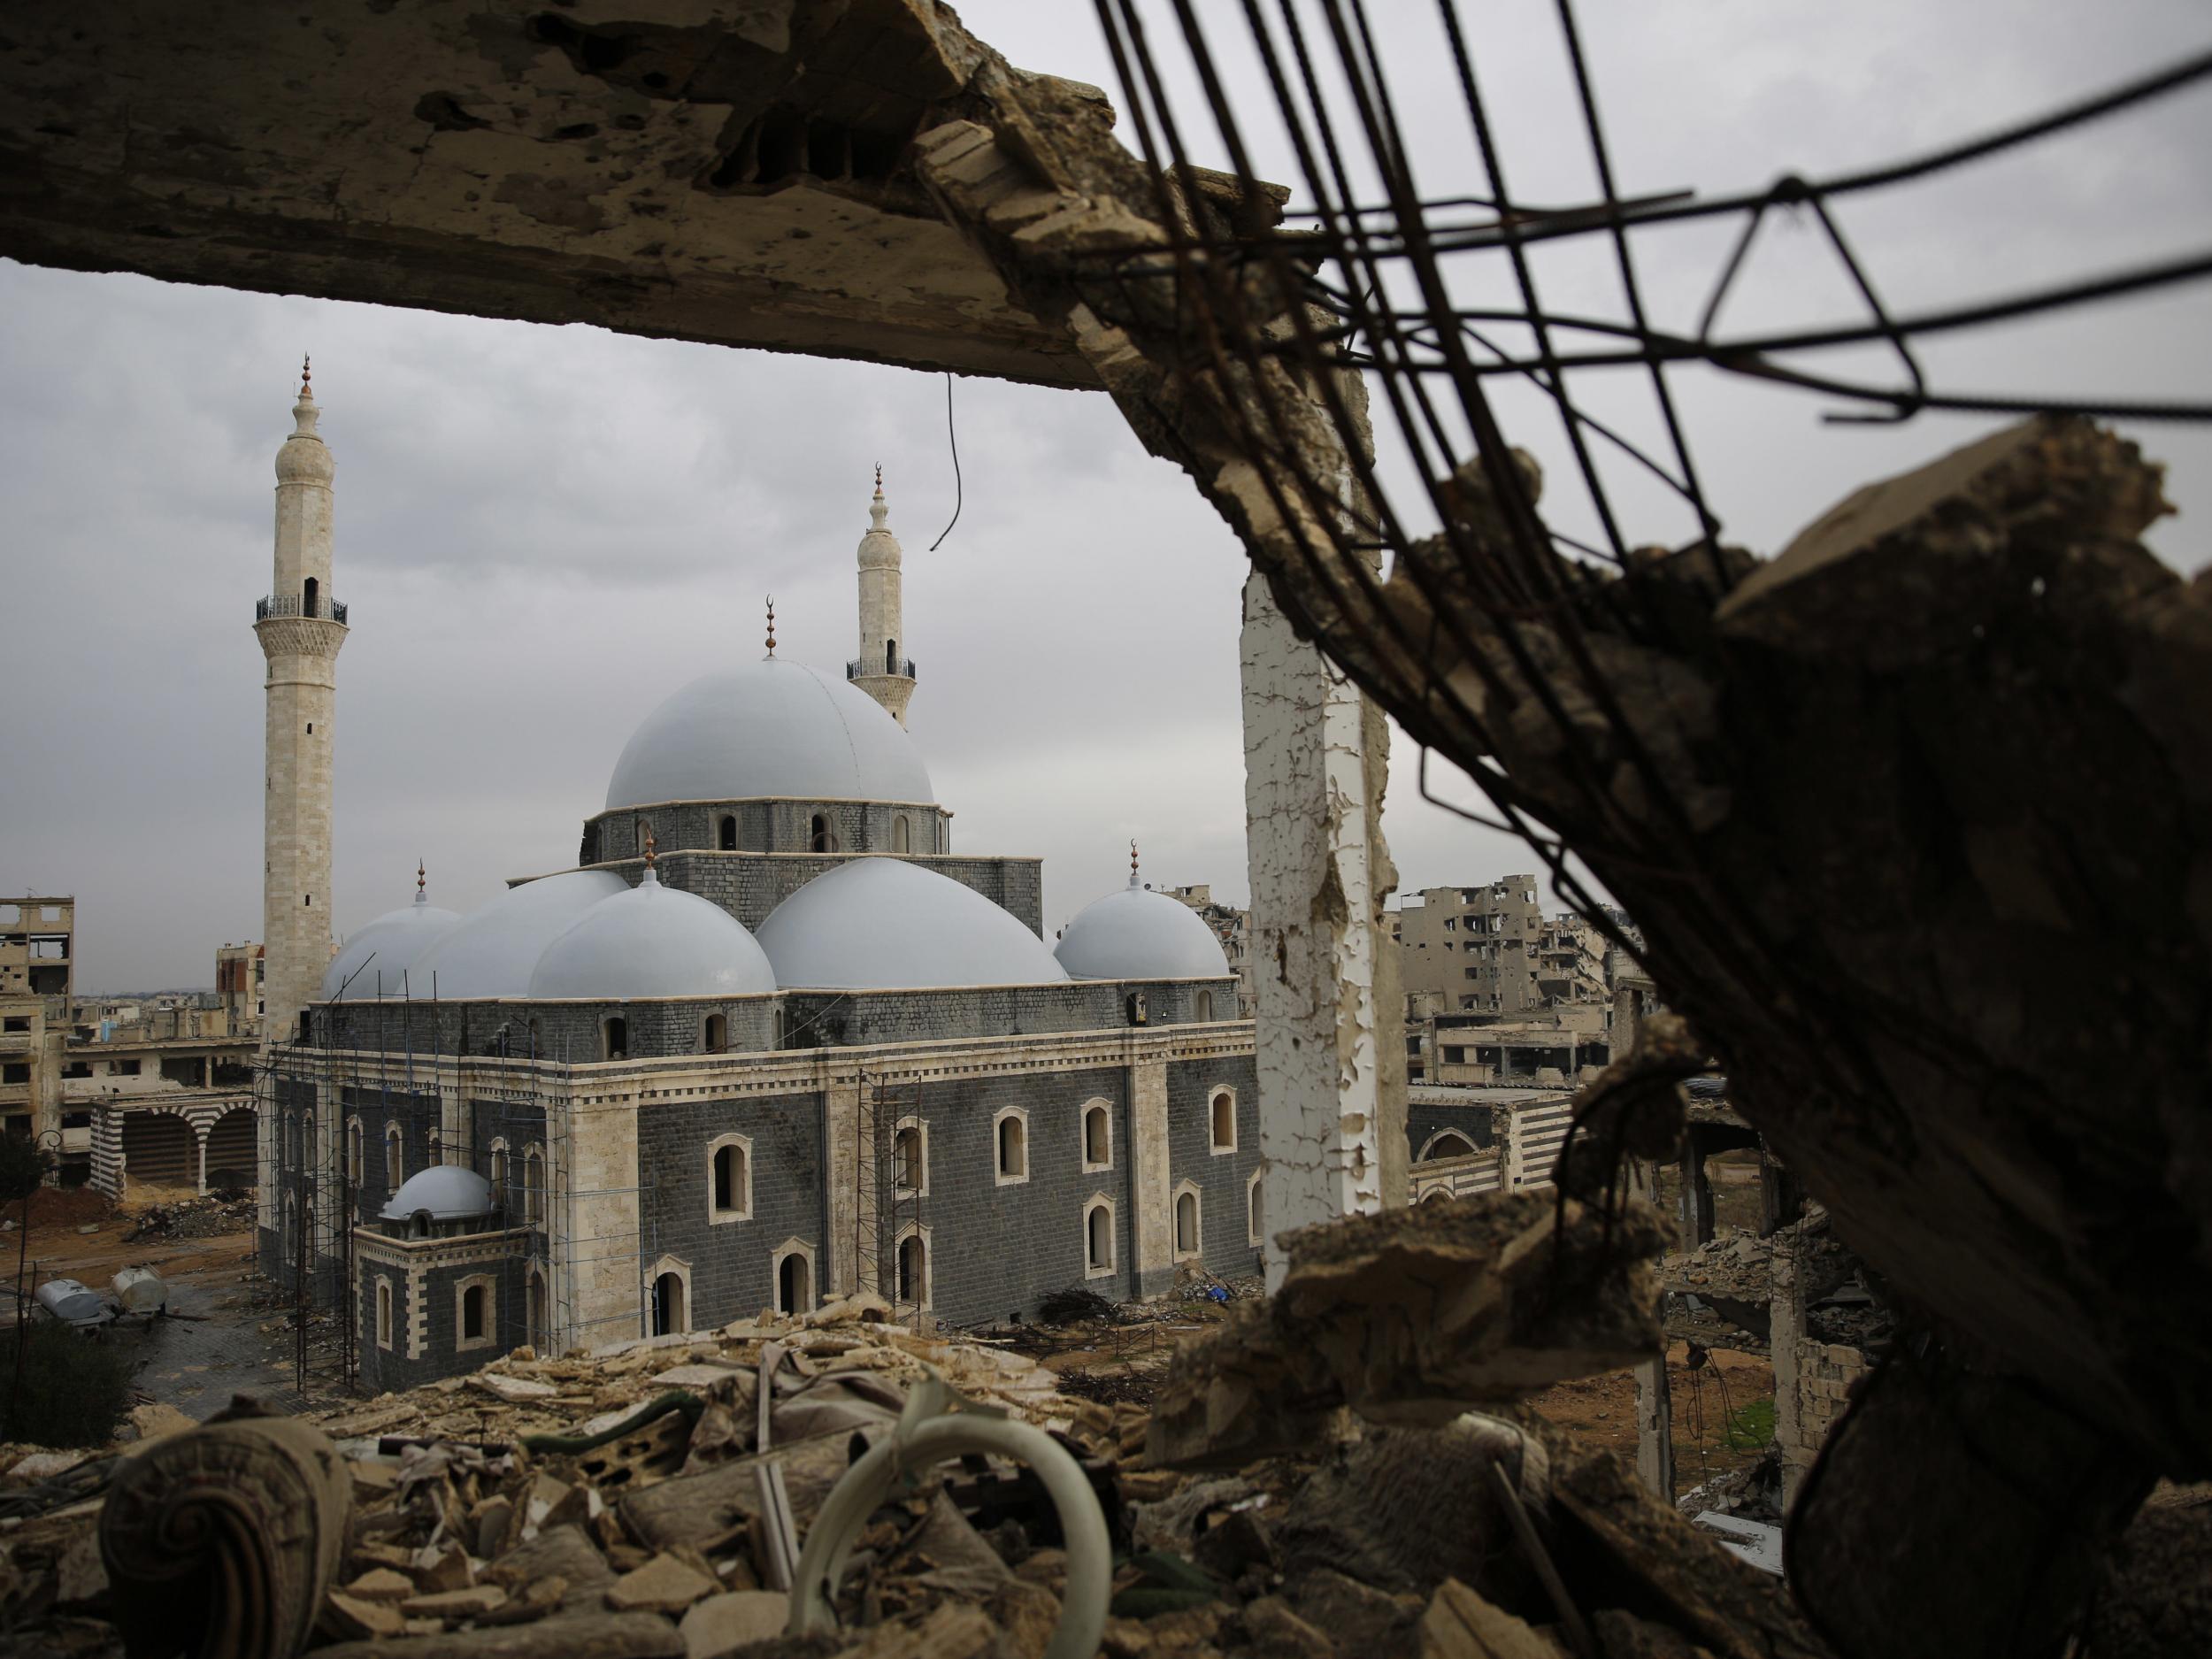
pixel 1414 1316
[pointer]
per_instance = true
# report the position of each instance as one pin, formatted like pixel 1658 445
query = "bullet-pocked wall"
pixel 721 1238
pixel 1215 1168
pixel 997 1240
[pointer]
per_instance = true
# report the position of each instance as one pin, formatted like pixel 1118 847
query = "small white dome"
pixel 653 940
pixel 491 951
pixel 377 956
pixel 768 728
pixel 1140 934
pixel 882 924
pixel 448 1192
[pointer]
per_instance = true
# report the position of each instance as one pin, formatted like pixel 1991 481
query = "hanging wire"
pixel 958 492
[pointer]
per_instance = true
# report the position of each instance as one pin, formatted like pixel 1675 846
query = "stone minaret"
pixel 883 670
pixel 302 629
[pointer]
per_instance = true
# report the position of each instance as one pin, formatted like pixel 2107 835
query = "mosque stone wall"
pixel 748 886
pixel 997 1249
pixel 427 1281
pixel 1220 1176
pixel 765 826
pixel 821 1019
pixel 565 1031
pixel 730 1263
pixel 415 1115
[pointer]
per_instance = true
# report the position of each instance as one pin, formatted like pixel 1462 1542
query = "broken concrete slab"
pixel 1414 1317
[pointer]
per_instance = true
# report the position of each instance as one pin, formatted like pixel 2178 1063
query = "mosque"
pixel 770 1040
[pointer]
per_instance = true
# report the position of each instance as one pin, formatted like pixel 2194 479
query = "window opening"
pixel 1186 1223
pixel 1098 1144
pixel 1098 1227
pixel 729 832
pixel 715 1037
pixel 616 1033
pixel 472 1314
pixel 1013 1149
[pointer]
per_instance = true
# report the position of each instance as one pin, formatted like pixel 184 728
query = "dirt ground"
pixel 217 1347
pixel 1602 1409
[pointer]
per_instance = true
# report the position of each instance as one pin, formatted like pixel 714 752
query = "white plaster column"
pixel 1151 1235
pixel 1314 757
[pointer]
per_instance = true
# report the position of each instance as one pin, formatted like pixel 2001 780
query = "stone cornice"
pixel 634 1083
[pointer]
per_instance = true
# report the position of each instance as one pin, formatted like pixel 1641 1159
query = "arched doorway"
pixel 232 1158
pixel 729 833
pixel 160 1150
pixel 309 592
pixel 913 1271
pixel 669 1316
pixel 794 1284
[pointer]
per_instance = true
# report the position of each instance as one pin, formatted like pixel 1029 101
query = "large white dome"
pixel 1140 934
pixel 653 940
pixel 377 955
pixel 881 924
pixel 491 951
pixel 768 728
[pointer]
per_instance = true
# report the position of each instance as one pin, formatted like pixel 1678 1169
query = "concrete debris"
pixel 476 1526
pixel 1412 1317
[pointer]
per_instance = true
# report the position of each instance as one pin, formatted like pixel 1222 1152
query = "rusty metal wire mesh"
pixel 1419 295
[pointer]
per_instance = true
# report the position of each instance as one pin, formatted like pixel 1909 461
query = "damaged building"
pixel 1859 795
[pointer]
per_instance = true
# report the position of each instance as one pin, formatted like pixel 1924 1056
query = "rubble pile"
pixel 626 1504
pixel 216 1215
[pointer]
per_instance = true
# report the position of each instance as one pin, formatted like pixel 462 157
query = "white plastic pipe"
pixel 925 1437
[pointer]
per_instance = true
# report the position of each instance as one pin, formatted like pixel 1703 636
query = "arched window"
pixel 291 1232
pixel 1013 1145
pixel 499 1172
pixel 1135 1005
pixel 436 1151
pixel 533 1312
pixel 1254 1210
pixel 472 1313
pixel 392 1158
pixel 534 1184
pixel 1447 1144
pixel 890 656
pixel 819 836
pixel 729 1178
pixel 1224 1116
pixel 728 838
pixel 714 1035
pixel 384 1313
pixel 354 1162
pixel 1098 1238
pixel 913 1285
pixel 615 1037
pixel 1098 1136
pixel 909 1158
pixel 900 834
pixel 1202 1010
pixel 794 1264
pixel 671 1317
pixel 311 590
pixel 1187 1235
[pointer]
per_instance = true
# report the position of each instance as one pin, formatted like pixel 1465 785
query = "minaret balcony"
pixel 293 605
pixel 868 668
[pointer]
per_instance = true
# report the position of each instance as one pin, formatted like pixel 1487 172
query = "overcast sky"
pixel 542 531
